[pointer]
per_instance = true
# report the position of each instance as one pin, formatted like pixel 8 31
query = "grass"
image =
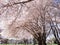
pixel 24 44
pixel 51 44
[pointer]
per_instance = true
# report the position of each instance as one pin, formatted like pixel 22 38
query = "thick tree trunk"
pixel 44 42
pixel 58 43
pixel 44 39
pixel 41 41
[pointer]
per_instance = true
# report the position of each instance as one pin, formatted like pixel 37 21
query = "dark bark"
pixel 44 38
pixel 41 41
pixel 58 43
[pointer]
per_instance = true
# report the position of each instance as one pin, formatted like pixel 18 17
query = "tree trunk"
pixel 58 43
pixel 44 39
pixel 44 42
pixel 41 41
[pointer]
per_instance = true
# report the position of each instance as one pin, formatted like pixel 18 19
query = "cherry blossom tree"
pixel 26 15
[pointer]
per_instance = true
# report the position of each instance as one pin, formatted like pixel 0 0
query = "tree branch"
pixel 8 5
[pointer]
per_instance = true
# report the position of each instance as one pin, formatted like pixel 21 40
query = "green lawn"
pixel 51 44
pixel 24 44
